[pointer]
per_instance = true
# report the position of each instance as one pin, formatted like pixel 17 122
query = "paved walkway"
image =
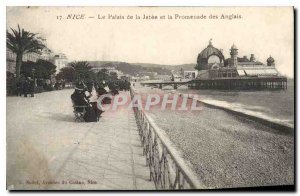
pixel 46 148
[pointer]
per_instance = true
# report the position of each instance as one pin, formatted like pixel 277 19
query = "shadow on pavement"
pixel 60 117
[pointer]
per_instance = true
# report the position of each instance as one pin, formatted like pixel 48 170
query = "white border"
pixel 5 3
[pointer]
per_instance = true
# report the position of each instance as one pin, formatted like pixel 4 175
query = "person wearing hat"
pixel 31 86
pixel 101 91
pixel 25 87
pixel 80 99
pixel 94 102
pixel 89 86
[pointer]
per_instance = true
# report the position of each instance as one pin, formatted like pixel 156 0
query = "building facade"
pixel 10 61
pixel 60 60
pixel 46 54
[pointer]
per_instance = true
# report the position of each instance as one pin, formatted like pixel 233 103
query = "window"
pixel 213 59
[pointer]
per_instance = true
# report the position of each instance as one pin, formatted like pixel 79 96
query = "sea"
pixel 277 104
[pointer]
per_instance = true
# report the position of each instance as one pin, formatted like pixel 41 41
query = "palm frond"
pixel 21 41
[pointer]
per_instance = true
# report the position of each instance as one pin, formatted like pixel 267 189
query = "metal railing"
pixel 168 170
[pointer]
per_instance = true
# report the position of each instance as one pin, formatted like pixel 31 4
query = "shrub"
pixel 48 88
pixel 38 89
pixel 11 86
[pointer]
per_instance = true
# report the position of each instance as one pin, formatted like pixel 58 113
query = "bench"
pixel 79 112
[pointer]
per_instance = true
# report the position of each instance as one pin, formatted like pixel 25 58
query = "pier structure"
pixel 245 83
pixel 161 84
pixel 240 83
pixel 240 73
pixel 234 73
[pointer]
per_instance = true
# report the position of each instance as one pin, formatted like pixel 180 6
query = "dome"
pixel 204 56
pixel 233 47
pixel 209 51
pixel 270 60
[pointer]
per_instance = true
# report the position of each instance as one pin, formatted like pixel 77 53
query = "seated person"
pixel 101 91
pixel 94 102
pixel 79 99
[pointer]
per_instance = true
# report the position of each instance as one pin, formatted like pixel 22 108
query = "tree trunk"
pixel 19 59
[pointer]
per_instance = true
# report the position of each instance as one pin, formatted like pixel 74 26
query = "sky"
pixel 260 31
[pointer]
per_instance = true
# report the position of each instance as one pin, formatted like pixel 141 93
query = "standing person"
pixel 31 85
pixel 25 87
pixel 56 85
pixel 19 92
pixel 20 85
pixel 59 85
pixel 63 85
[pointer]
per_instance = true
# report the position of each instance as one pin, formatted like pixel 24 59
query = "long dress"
pixel 79 99
pixel 94 102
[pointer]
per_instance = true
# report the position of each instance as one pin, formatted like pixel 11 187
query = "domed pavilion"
pixel 210 56
pixel 214 71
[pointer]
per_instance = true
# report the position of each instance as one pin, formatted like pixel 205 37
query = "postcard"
pixel 150 98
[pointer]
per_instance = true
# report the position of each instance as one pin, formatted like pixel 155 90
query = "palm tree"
pixel 82 69
pixel 22 42
pixel 80 65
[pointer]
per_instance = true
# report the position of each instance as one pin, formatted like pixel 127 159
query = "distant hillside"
pixel 141 68
pixel 132 69
pixel 170 67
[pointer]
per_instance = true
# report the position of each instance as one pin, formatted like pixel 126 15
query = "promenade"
pixel 46 149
